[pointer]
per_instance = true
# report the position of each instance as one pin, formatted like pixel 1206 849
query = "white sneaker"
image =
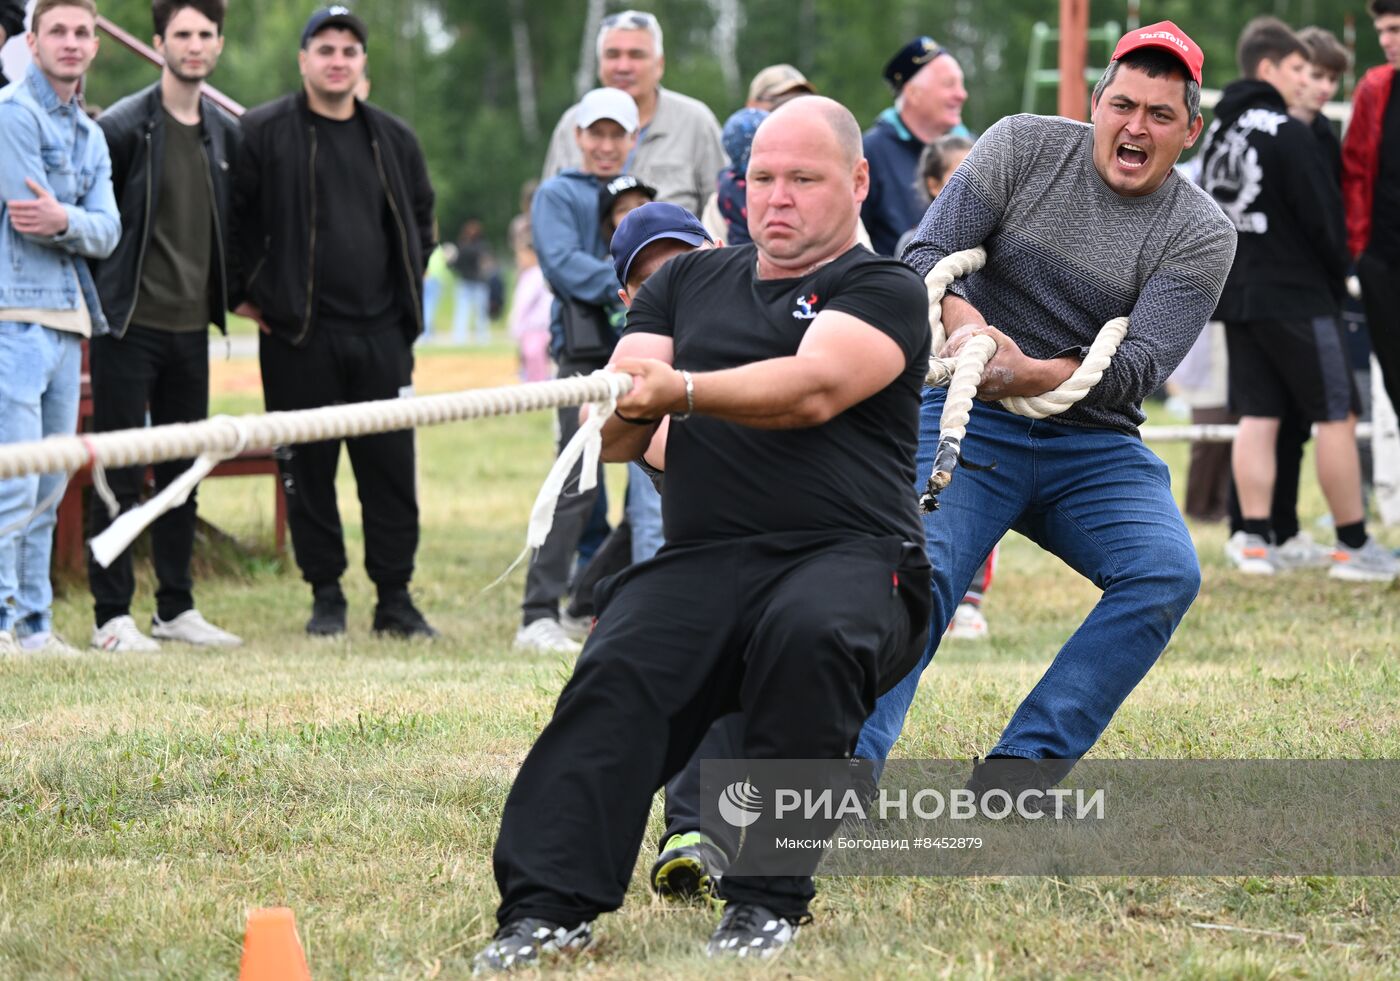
pixel 968 624
pixel 1251 554
pixel 577 628
pixel 190 627
pixel 121 635
pixel 1372 562
pixel 1302 552
pixel 546 637
pixel 1234 548
pixel 8 647
pixel 48 642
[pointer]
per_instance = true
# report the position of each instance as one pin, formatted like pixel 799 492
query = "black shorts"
pixel 1278 366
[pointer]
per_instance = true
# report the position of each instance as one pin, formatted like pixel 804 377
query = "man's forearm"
pixel 841 361
pixel 780 393
pixel 957 312
pixel 1039 377
pixel 625 441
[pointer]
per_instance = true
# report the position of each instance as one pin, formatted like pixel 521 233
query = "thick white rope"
pixel 1070 391
pixel 217 439
pixel 963 374
pixel 939 278
pixel 129 447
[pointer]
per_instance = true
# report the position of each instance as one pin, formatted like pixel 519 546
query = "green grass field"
pixel 147 802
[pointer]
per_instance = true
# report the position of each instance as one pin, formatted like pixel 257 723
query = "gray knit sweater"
pixel 1065 254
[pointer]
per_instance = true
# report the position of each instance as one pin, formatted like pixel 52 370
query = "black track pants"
pixel 800 634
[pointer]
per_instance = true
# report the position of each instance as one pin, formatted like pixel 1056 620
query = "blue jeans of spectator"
pixel 643 514
pixel 1101 501
pixel 41 369
pixel 473 302
pixel 432 296
pixel 595 532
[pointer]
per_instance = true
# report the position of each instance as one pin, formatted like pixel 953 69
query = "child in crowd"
pixel 529 306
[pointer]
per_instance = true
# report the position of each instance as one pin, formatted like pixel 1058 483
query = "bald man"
pixel 788 366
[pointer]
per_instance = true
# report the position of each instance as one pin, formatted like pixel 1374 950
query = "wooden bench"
pixel 70 543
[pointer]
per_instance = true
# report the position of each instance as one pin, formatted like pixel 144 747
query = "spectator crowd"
pixel 167 212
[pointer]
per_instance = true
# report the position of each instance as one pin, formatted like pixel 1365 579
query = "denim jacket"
pixel 61 149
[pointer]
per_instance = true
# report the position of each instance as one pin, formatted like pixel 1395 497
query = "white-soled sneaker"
pixel 525 944
pixel 120 635
pixel 748 930
pixel 1251 554
pixel 8 645
pixel 190 627
pixel 546 637
pixel 48 642
pixel 1372 562
pixel 1234 548
pixel 576 628
pixel 1302 552
pixel 969 623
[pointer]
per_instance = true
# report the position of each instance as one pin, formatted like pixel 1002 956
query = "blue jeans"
pixel 1102 502
pixel 643 514
pixel 432 295
pixel 41 369
pixel 472 302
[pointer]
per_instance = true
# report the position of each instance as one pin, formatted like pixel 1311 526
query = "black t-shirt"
pixel 355 281
pixel 852 476
pixel 1385 211
pixel 175 274
pixel 1330 146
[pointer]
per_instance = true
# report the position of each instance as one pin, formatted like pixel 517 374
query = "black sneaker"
pixel 1015 776
pixel 327 611
pixel 521 944
pixel 396 615
pixel 689 867
pixel 750 930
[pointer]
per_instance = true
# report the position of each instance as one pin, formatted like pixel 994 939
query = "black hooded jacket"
pixel 1267 172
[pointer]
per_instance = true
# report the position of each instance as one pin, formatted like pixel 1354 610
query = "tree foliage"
pixel 450 67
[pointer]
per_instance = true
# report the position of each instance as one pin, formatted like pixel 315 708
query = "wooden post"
pixel 1074 52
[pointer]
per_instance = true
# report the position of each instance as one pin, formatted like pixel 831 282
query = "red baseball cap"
pixel 1170 38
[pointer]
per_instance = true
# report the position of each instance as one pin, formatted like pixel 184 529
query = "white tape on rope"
pixel 124 530
pixel 587 445
pixel 119 535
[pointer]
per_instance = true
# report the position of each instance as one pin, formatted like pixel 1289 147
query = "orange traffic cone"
pixel 271 950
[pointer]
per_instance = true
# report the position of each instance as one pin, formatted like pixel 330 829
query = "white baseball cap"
pixel 614 104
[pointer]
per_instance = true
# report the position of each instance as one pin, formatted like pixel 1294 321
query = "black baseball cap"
pixel 619 186
pixel 334 16
pixel 909 59
pixel 651 223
